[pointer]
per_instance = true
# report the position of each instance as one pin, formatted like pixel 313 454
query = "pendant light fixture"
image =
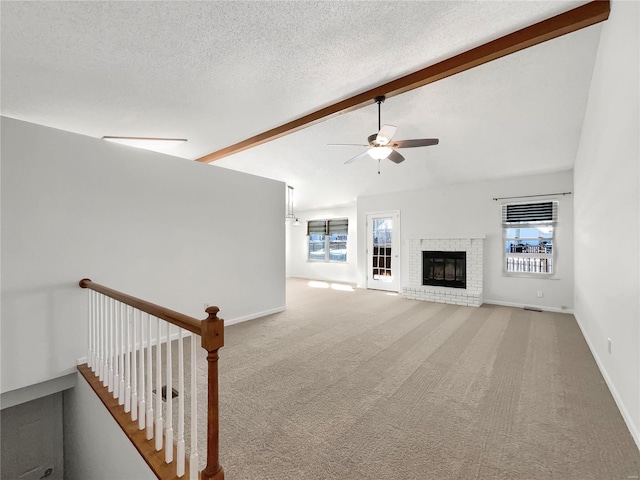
pixel 290 214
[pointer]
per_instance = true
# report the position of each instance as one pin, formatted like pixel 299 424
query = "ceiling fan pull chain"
pixel 378 166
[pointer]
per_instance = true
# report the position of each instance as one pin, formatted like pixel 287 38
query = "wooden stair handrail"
pixel 171 316
pixel 211 331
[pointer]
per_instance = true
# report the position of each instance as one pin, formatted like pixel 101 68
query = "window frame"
pixel 332 231
pixel 540 262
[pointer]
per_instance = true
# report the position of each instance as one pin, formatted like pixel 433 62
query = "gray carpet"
pixel 367 385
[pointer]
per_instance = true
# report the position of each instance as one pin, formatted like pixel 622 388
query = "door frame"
pixel 396 235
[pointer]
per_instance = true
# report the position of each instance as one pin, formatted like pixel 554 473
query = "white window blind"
pixel 337 226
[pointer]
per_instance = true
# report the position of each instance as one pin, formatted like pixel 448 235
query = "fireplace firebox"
pixel 444 269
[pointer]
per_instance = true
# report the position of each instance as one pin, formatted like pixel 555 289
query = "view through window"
pixel 528 230
pixel 327 240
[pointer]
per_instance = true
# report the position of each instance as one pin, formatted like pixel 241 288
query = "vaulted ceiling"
pixel 219 72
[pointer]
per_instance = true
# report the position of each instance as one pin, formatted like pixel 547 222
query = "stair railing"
pixel 123 330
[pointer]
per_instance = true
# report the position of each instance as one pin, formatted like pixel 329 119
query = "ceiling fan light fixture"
pixel 379 153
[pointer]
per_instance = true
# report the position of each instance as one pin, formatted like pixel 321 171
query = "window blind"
pixel 316 227
pixel 523 213
pixel 337 226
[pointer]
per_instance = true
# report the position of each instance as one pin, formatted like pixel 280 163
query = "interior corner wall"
pixel 469 209
pixel 607 212
pixel 171 231
pixel 297 251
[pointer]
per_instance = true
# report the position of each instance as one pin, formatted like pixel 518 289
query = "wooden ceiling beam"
pixel 576 19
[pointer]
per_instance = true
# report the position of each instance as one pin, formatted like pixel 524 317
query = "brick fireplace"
pixel 471 295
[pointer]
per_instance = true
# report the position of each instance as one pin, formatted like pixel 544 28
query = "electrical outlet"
pixel 609 345
pixel 539 293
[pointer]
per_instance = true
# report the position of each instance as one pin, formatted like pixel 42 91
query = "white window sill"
pixel 537 276
pixel 324 261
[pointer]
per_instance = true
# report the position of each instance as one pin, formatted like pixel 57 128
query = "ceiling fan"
pixel 381 145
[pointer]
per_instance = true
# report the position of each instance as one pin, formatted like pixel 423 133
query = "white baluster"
pixel 127 371
pixel 121 399
pixel 180 446
pixel 149 382
pixel 111 334
pixel 168 433
pixel 101 365
pixel 104 373
pixel 116 349
pixel 94 329
pixel 193 459
pixel 96 332
pixel 134 370
pixel 158 388
pixel 141 401
pixel 89 330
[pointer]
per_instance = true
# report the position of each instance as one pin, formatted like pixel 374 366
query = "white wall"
pixel 607 212
pixel 297 263
pixel 95 447
pixel 470 209
pixel 171 231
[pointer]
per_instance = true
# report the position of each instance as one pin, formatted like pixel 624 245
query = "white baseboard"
pixel 522 305
pixel 635 433
pixel 253 316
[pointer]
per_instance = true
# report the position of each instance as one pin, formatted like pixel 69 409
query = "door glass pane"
pixel 382 253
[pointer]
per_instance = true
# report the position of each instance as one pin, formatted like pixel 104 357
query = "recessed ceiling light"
pixel 147 143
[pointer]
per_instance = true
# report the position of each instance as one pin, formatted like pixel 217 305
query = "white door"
pixel 383 252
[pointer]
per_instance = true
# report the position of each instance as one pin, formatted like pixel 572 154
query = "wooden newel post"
pixel 212 340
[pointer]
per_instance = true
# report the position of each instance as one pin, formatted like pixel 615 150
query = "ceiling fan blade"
pixel 385 134
pixel 395 157
pixel 418 142
pixel 346 145
pixel 358 157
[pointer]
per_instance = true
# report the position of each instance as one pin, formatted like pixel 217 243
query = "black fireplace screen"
pixel 445 269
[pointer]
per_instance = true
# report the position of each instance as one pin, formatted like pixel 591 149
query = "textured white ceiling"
pixel 219 72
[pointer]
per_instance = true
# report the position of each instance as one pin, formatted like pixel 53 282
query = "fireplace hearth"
pixel 444 269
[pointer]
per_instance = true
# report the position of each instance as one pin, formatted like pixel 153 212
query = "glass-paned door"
pixel 383 256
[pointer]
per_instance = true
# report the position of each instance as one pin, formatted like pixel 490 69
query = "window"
pixel 528 231
pixel 328 240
